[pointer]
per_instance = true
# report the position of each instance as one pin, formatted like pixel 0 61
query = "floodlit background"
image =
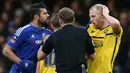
pixel 14 14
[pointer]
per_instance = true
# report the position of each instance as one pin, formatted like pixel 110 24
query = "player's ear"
pixel 60 21
pixel 73 19
pixel 102 16
pixel 36 17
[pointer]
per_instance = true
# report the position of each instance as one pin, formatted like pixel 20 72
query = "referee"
pixel 70 44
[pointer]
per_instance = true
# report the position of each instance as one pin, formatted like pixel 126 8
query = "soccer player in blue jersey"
pixel 23 46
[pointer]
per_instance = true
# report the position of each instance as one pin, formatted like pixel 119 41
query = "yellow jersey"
pixel 106 47
pixel 48 64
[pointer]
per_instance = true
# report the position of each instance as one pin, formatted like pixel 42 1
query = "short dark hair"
pixel 55 21
pixel 35 9
pixel 67 15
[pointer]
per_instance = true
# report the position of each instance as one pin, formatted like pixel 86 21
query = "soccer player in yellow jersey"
pixel 106 33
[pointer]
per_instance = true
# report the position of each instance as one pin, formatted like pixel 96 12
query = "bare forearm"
pixel 45 38
pixel 13 57
pixel 10 54
pixel 41 55
pixel 38 67
pixel 114 23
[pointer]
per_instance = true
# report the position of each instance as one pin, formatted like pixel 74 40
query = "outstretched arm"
pixel 41 55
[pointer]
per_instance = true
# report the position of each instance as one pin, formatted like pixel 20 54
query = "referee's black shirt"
pixel 70 45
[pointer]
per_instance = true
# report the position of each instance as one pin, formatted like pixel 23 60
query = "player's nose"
pixel 48 15
pixel 91 20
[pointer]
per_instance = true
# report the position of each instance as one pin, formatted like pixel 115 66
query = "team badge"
pixel 26 64
pixel 106 31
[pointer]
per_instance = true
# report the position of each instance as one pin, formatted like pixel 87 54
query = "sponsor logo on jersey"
pixel 38 41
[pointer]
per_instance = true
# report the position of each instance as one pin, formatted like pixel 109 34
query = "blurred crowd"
pixel 14 14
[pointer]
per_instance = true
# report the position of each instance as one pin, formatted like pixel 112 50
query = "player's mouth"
pixel 93 23
pixel 47 21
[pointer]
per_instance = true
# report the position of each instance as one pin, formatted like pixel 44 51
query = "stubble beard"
pixel 41 23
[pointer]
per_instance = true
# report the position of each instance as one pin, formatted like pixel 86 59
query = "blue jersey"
pixel 26 42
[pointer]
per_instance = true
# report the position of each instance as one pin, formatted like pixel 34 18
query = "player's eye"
pixel 44 13
pixel 93 16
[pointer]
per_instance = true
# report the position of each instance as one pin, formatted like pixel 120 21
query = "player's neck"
pixel 57 29
pixel 105 24
pixel 35 23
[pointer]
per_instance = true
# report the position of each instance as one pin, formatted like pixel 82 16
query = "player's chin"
pixel 45 23
pixel 93 22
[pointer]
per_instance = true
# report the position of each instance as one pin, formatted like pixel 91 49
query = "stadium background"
pixel 14 14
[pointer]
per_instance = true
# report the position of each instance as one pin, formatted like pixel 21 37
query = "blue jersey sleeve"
pixel 17 39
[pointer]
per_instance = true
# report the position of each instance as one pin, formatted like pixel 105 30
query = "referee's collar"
pixel 67 24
